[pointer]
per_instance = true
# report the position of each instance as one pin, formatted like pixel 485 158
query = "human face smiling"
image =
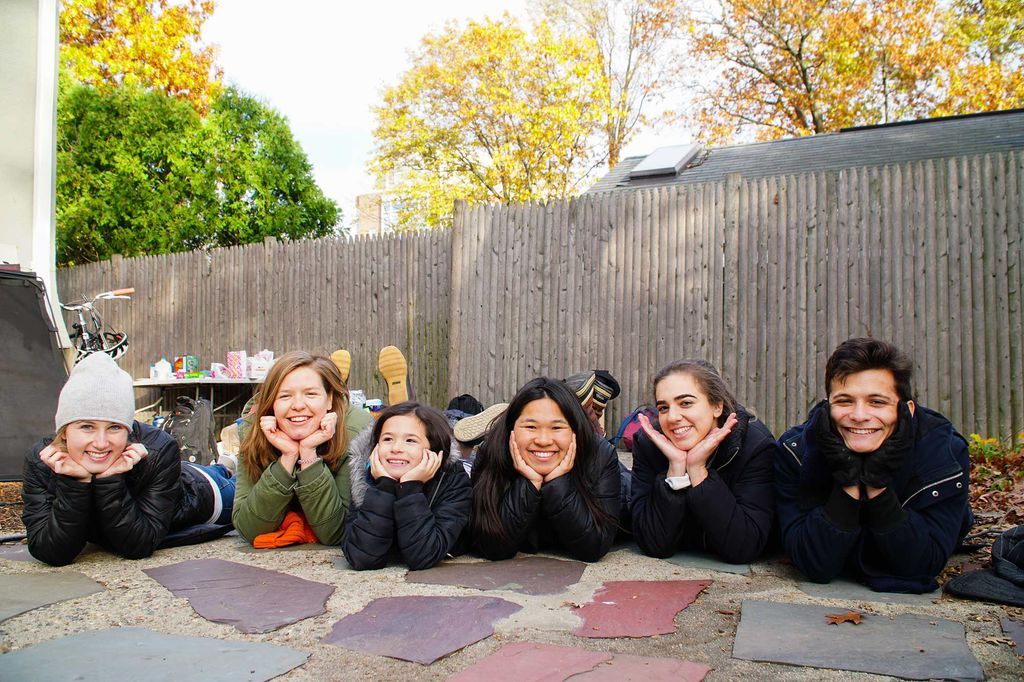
pixel 542 435
pixel 301 402
pixel 863 408
pixel 402 441
pixel 95 444
pixel 684 412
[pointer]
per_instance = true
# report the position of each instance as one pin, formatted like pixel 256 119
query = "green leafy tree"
pixel 265 181
pixel 490 113
pixel 141 173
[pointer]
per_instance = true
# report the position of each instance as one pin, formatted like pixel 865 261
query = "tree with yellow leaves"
pixel 490 113
pixel 989 71
pixel 149 43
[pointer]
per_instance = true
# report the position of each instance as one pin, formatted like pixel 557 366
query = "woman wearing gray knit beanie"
pixel 105 478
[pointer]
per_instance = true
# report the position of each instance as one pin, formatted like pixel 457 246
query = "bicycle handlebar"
pixel 122 293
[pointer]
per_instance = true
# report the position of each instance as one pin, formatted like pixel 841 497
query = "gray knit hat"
pixel 96 389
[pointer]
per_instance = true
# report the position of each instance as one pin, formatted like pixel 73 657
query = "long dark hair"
pixel 493 471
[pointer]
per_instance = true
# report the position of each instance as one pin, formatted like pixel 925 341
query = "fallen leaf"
pixel 848 617
pixel 998 640
pixel 726 612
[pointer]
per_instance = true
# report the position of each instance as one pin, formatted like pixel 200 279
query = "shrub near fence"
pixel 763 277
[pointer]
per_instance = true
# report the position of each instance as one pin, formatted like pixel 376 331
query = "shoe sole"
pixel 395 370
pixel 342 359
pixel 473 427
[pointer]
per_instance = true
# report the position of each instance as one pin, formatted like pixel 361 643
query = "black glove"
pixel 844 464
pixel 881 465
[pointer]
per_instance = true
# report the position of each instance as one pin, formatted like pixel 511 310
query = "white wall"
pixel 28 112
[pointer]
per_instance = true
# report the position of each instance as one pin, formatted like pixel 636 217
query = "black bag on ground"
pixel 191 424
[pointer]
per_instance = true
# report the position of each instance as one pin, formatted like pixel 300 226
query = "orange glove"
pixel 294 530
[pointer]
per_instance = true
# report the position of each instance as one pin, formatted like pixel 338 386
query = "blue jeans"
pixel 223 491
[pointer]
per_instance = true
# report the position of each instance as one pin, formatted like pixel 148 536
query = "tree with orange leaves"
pixel 803 67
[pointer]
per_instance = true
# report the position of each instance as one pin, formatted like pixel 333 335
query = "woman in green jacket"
pixel 296 459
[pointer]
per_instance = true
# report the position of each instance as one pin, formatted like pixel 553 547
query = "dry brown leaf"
pixel 848 617
pixel 998 640
pixel 727 612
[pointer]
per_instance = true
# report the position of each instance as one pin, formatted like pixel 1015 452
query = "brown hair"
pixel 707 377
pixel 861 354
pixel 256 452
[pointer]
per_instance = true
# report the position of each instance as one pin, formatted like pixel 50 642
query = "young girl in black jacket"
pixel 108 479
pixel 541 482
pixel 410 492
pixel 702 479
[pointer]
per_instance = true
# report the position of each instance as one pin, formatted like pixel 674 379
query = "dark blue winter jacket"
pixel 900 540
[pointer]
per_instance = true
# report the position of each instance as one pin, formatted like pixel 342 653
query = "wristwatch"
pixel 678 482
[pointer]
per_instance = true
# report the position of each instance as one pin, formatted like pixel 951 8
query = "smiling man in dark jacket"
pixel 872 481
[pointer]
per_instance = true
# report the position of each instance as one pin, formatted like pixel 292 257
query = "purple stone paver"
pixel 18 552
pixel 636 608
pixel 419 629
pixel 532 662
pixel 1014 629
pixel 249 598
pixel 527 575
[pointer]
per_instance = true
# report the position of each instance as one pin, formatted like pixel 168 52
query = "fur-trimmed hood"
pixel 359 450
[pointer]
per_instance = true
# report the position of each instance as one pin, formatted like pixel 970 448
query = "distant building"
pixel 877 145
pixel 370 213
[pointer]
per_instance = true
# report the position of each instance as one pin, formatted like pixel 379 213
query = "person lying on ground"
pixel 702 477
pixel 540 481
pixel 871 481
pixel 296 459
pixel 106 478
pixel 594 389
pixel 411 497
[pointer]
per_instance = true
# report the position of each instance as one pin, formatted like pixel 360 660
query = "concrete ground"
pixel 705 630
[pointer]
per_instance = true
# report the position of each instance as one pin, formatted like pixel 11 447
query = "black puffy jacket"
pixel 129 514
pixel 730 513
pixel 420 522
pixel 556 517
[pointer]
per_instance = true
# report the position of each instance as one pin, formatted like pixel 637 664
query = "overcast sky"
pixel 324 63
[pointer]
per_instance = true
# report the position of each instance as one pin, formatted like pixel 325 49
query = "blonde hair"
pixel 256 451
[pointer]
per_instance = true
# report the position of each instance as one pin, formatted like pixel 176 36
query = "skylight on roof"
pixel 665 161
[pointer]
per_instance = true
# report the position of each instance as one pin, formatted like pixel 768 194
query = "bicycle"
pixel 90 335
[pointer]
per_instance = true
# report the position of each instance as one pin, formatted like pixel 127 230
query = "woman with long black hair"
pixel 540 482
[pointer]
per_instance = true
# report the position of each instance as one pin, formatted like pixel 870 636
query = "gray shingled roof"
pixel 867 146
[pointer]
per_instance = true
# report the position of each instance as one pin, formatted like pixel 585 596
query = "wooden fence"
pixel 319 295
pixel 762 277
